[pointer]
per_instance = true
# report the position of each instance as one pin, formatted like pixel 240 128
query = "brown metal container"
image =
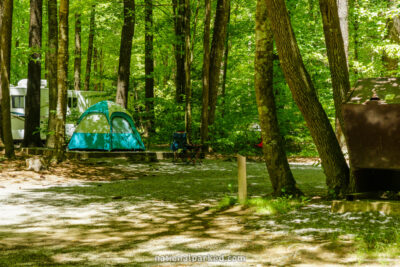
pixel 372 123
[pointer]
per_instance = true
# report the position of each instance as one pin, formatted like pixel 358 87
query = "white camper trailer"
pixel 78 101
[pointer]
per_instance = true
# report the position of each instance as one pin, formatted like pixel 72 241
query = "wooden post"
pixel 242 180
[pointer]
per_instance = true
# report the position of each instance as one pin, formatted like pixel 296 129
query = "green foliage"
pixel 281 205
pixel 237 108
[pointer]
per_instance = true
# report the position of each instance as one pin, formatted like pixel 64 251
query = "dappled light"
pixel 116 212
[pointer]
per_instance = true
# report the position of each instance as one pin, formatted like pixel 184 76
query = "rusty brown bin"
pixel 372 123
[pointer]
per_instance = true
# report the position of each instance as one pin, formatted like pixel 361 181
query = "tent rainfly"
pixel 106 126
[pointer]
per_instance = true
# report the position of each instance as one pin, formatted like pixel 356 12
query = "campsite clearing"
pixel 110 212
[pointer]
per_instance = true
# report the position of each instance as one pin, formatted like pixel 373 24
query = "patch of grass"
pixel 281 205
pixel 226 203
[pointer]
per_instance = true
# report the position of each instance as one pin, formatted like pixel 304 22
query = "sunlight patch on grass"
pixel 279 205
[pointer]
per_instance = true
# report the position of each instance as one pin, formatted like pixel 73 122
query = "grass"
pixel 160 204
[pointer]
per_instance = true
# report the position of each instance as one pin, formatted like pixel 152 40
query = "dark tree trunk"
pixel 78 52
pixel 90 47
pixel 52 69
pixel 217 50
pixel 304 94
pixel 5 59
pixel 188 58
pixel 125 53
pixel 275 157
pixel 149 68
pixel 1 126
pixel 336 55
pixel 225 69
pixel 62 80
pixel 179 47
pixel 32 99
pixel 206 74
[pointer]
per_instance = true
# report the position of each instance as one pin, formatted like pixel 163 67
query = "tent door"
pixel 123 137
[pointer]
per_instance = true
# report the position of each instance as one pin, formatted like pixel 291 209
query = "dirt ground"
pixel 44 221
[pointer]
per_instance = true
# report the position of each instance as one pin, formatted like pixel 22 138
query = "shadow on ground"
pixel 131 213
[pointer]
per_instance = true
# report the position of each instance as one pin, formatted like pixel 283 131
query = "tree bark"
pixel 225 68
pixel 206 74
pixel 217 50
pixel 274 154
pixel 32 99
pixel 336 55
pixel 179 49
pixel 90 47
pixel 52 69
pixel 62 80
pixel 343 11
pixel 149 67
pixel 5 63
pixel 125 53
pixel 78 52
pixel 304 94
pixel 187 64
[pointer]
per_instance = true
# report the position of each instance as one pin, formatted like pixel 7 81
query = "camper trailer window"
pixel 72 102
pixel 18 101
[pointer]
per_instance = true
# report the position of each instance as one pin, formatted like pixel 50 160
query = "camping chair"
pixel 187 152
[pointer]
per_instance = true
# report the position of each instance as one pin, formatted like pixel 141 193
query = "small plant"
pixel 280 205
pixel 226 203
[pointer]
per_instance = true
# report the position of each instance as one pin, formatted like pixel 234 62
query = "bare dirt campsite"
pixel 112 212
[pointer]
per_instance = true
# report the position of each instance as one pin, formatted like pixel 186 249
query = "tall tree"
pixel 52 68
pixel 206 74
pixel 62 80
pixel 304 94
pixel 225 68
pixel 125 53
pixel 343 11
pixel 149 67
pixel 78 52
pixel 1 126
pixel 336 55
pixel 275 157
pixel 179 48
pixel 5 63
pixel 187 64
pixel 217 50
pixel 32 99
pixel 90 47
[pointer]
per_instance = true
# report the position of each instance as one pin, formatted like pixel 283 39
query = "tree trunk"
pixel 149 67
pixel 90 47
pixel 206 74
pixel 52 69
pixel 304 94
pixel 217 50
pixel 179 48
pixel 187 64
pixel 125 53
pixel 5 60
pixel 78 52
pixel 32 99
pixel 343 11
pixel 336 55
pixel 225 69
pixel 62 80
pixel 275 157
